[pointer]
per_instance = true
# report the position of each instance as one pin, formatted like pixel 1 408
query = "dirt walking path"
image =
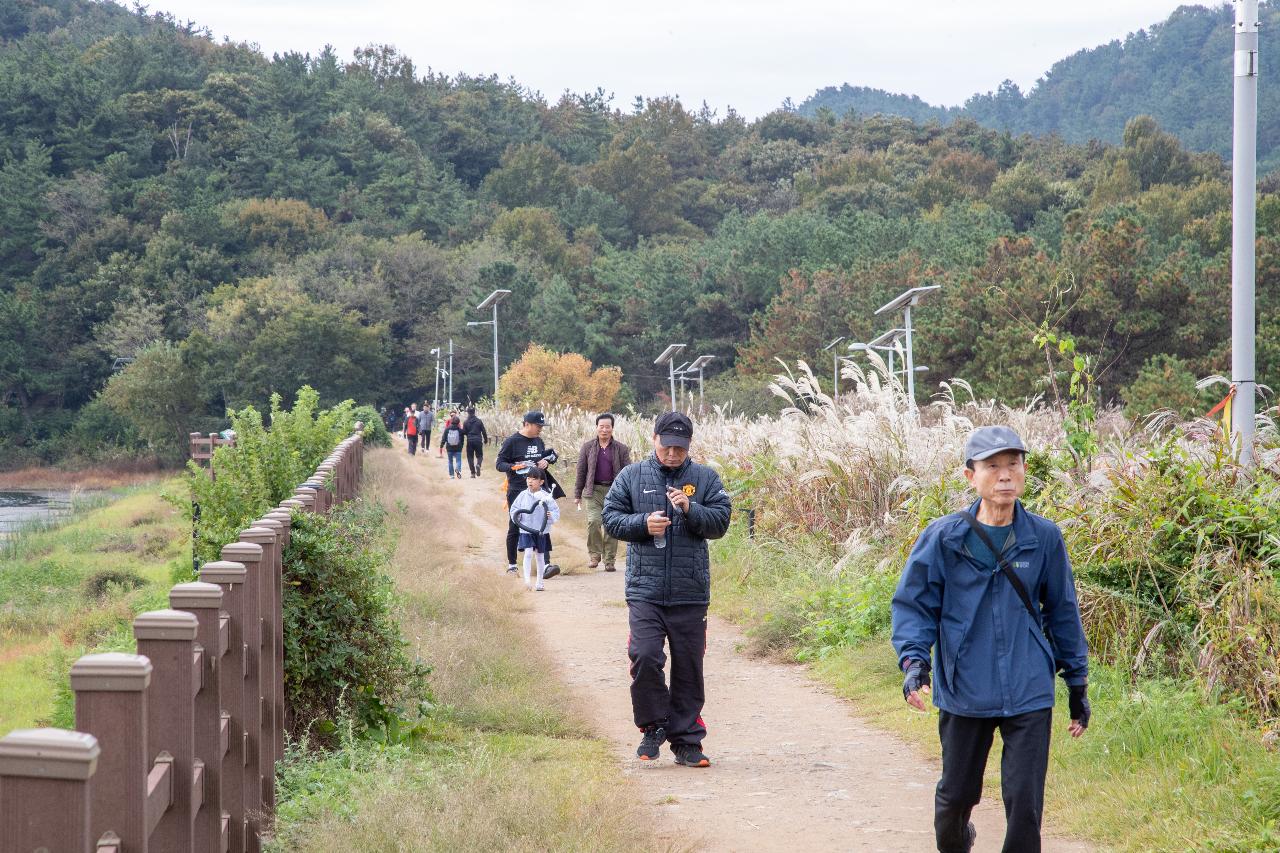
pixel 793 768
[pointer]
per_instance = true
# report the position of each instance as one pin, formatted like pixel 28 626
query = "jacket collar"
pixel 1024 530
pixel 670 472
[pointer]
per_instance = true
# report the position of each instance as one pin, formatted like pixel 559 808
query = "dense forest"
pixel 1178 71
pixel 239 225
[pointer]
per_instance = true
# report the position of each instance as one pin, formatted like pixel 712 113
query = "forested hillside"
pixel 242 225
pixel 1178 71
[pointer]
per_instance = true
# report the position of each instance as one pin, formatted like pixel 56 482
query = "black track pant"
pixel 513 532
pixel 475 456
pixel 413 445
pixel 966 741
pixel 684 628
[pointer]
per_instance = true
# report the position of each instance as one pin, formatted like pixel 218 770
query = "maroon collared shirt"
pixel 604 464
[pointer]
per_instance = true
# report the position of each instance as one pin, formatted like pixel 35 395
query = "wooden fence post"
pixel 168 639
pixel 230 578
pixel 250 555
pixel 204 601
pixel 45 781
pixel 307 495
pixel 285 519
pixel 111 694
pixel 265 532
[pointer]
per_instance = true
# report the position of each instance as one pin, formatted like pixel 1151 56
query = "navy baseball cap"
pixel 985 442
pixel 673 429
pixel 535 418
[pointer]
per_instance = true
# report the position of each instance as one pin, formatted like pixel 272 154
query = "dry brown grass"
pixel 514 767
pixel 92 478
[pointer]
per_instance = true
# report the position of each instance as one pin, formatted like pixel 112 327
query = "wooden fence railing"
pixel 175 746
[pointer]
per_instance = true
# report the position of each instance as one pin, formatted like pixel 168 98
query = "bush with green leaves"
pixel 345 657
pixel 266 465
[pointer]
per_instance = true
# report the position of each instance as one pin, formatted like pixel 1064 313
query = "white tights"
pixel 530 554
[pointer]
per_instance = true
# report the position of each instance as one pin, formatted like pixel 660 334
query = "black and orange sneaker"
pixel 690 755
pixel 651 742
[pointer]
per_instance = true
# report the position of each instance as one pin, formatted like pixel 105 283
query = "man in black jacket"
pixel 477 436
pixel 518 452
pixel 667 507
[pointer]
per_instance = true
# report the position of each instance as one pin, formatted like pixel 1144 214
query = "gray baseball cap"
pixel 987 441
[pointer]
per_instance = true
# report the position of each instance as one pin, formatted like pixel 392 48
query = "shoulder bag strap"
pixel 1014 580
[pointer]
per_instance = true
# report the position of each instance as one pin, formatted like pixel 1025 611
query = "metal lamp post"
pixel 682 374
pixel 1244 187
pixel 491 301
pixel 668 357
pixel 699 364
pixel 906 301
pixel 888 343
pixel 835 366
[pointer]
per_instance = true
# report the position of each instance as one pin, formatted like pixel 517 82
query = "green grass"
pixel 69 586
pixel 1160 768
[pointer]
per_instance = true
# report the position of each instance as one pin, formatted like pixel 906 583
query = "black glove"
pixel 1078 702
pixel 917 676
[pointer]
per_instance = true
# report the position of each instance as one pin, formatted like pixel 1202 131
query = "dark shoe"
pixel 973 835
pixel 593 560
pixel 690 755
pixel 651 742
pixel 610 567
pixel 552 571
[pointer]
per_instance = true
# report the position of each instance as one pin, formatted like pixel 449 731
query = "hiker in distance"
pixel 988 595
pixel 451 438
pixel 521 450
pixel 411 429
pixel 599 461
pixel 477 436
pixel 426 420
pixel 665 508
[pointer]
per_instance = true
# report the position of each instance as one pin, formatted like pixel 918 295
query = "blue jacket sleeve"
pixel 917 603
pixel 619 516
pixel 709 517
pixel 1061 612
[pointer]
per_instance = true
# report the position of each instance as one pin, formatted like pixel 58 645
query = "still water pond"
pixel 18 508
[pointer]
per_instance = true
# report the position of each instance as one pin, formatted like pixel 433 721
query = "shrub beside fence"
pixel 175 746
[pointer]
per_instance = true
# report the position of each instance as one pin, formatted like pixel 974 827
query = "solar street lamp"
pixel 907 300
pixel 668 358
pixel 699 364
pixel 835 366
pixel 491 301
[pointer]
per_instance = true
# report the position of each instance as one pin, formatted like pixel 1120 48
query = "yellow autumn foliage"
pixel 545 378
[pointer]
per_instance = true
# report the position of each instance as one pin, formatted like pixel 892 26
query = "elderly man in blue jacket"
pixel 988 596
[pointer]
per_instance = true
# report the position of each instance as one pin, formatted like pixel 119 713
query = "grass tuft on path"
pixel 508 765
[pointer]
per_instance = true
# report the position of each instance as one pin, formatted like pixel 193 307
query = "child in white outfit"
pixel 535 509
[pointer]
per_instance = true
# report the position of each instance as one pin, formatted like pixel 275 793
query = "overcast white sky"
pixel 750 54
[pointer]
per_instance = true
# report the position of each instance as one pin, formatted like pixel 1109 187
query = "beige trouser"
pixel 599 542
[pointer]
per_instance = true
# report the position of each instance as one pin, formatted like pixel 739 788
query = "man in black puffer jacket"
pixel 667 507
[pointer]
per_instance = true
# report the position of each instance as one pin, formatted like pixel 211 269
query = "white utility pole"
pixel 1244 187
pixel 451 373
pixel 435 401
